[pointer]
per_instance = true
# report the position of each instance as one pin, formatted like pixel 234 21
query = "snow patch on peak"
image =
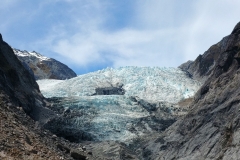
pixel 30 54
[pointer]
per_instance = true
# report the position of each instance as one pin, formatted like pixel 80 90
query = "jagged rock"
pixel 76 155
pixel 109 91
pixel 63 148
pixel 16 81
pixel 211 128
pixel 43 67
pixel 185 66
pixel 236 29
pixel 111 150
pixel 20 139
pixel 203 66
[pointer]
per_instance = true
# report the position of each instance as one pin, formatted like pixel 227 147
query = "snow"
pixel 113 117
pixel 149 83
pixel 48 83
pixel 29 54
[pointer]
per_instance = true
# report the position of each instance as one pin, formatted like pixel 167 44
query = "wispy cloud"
pixel 120 33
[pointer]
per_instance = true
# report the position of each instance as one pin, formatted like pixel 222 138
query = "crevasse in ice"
pixel 117 117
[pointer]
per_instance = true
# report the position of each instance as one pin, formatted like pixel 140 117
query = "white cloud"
pixel 124 47
pixel 214 20
pixel 5 4
pixel 157 33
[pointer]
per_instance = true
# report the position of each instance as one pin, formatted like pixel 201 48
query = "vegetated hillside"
pixel 211 129
pixel 43 67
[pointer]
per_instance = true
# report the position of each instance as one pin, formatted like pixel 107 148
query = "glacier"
pixel 146 103
pixel 149 83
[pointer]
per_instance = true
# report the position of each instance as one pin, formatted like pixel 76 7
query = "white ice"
pixel 149 83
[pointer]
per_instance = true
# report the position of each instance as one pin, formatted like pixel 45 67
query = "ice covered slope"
pixel 148 83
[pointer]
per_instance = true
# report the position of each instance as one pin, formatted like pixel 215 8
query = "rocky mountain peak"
pixel 43 67
pixel 1 37
pixel 32 54
pixel 236 29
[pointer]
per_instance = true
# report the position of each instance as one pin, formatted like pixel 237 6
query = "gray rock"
pixel 77 155
pixel 211 128
pixel 109 91
pixel 19 84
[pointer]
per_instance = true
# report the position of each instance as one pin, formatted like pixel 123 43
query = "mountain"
pixel 43 67
pixel 211 129
pixel 23 112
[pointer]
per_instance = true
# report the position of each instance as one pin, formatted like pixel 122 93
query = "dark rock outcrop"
pixel 20 85
pixel 203 66
pixel 211 129
pixel 43 67
pixel 109 91
pixel 21 136
pixel 16 80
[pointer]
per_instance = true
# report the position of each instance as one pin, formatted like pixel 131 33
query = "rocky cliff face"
pixel 16 81
pixel 22 136
pixel 43 67
pixel 211 129
pixel 20 85
pixel 203 66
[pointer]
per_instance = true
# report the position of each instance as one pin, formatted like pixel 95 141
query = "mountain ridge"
pixel 211 129
pixel 43 67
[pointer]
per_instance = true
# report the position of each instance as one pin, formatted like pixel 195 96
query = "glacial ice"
pixel 117 117
pixel 149 83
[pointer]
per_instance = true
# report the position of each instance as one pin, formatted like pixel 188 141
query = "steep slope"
pixel 16 81
pixel 20 137
pixel 22 113
pixel 202 67
pixel 43 67
pixel 118 104
pixel 211 129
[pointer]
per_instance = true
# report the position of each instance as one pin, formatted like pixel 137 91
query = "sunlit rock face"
pixel 117 104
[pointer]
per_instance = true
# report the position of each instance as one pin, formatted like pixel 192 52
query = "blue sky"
pixel 89 35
